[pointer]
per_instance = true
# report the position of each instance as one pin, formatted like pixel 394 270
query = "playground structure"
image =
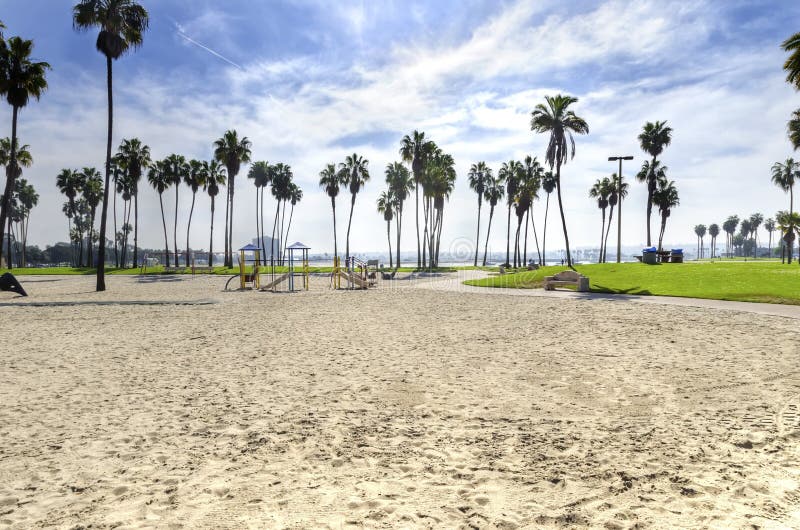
pixel 296 269
pixel 357 274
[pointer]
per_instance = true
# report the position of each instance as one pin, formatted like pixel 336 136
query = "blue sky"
pixel 310 81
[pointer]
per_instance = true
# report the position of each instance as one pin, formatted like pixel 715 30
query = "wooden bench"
pixel 202 270
pixel 565 278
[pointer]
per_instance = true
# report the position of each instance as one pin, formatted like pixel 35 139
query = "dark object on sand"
pixel 9 283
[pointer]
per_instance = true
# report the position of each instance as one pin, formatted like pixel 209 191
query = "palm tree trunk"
pixel 488 231
pixel 399 230
pixel 535 237
pixel 602 232
pixel 335 245
pixel 561 210
pixel 230 222
pixel 5 206
pixel 189 227
pixel 439 234
pixel 135 229
pixel 101 255
pixel 288 226
pixel 211 238
pixel 164 222
pixel 175 226
pixel 525 246
pixel 478 233
pixel 389 237
pixel 508 236
pixel 116 252
pixel 349 222
pixel 9 256
pixel 282 241
pixel 227 263
pixel 261 241
pixel 127 223
pixel 608 231
pixel 516 241
pixel 274 227
pixel 419 254
pixel 544 233
pixel 650 187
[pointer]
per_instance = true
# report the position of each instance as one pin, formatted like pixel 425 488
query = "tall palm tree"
pixel 293 196
pixel 784 176
pixel 160 179
pixel 729 226
pixel 601 190
pixel 280 185
pixel 619 190
pixel 261 174
pixel 534 174
pixel 69 183
pixel 386 207
pixel 794 129
pixel 788 225
pixel 195 178
pixel 700 232
pixel 713 231
pixel 27 198
pixel 792 64
pixel 493 194
pixel 755 221
pixel 92 193
pixel 231 152
pixel 438 184
pixel 125 187
pixel 20 79
pixel 665 197
pixel 477 177
pixel 510 172
pixel 330 181
pixel 769 226
pixel 653 139
pixel 400 182
pixel 416 150
pixel 548 185
pixel 136 157
pixel 526 193
pixel 122 24
pixel 215 177
pixel 177 169
pixel 355 173
pixel 560 123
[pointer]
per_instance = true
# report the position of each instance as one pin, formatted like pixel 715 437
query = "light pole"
pixel 619 202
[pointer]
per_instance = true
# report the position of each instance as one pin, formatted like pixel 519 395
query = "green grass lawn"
pixel 762 281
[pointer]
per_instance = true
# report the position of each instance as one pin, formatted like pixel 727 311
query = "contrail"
pixel 179 29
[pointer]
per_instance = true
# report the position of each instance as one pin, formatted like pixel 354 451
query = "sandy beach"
pixel 397 407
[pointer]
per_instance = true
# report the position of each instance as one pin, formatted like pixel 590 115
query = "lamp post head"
pixel 615 158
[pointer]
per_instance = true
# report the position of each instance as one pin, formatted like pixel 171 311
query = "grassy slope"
pixel 742 281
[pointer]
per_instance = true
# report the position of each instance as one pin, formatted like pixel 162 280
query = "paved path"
pixel 455 283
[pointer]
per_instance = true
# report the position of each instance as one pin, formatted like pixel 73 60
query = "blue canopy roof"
pixel 249 246
pixel 298 246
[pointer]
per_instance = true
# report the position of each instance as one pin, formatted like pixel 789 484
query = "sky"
pixel 309 82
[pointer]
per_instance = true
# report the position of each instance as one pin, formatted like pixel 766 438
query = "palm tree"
pixel 416 150
pixel 619 190
pixel 653 139
pixel 195 178
pixel 438 184
pixel 92 193
pixel 755 221
pixel 788 225
pixel 294 195
pixel 355 173
pixel 215 177
pixel 232 153
pixel 386 207
pixel 769 226
pixel 556 119
pixel 745 230
pixel 280 185
pixel 601 190
pixel 477 177
pixel 330 180
pixel 125 187
pixel 159 178
pixel 784 175
pixel 176 168
pixel 400 183
pixel 665 197
pixel 713 231
pixel 700 232
pixel 28 198
pixel 121 23
pixel 794 129
pixel 69 183
pixel 20 79
pixel 534 174
pixel 527 192
pixel 792 64
pixel 510 172
pixel 729 226
pixel 548 185
pixel 136 157
pixel 493 193
pixel 261 174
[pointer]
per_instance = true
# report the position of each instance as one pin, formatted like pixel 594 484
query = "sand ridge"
pixel 391 408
